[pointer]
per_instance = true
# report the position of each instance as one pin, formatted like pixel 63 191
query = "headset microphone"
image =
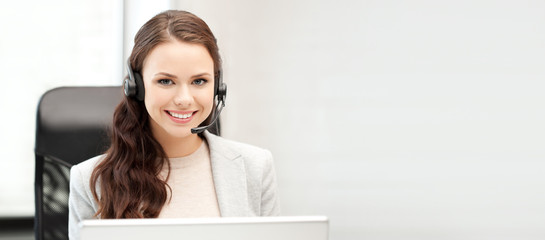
pixel 221 93
pixel 198 130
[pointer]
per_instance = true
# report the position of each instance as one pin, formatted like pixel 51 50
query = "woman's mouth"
pixel 181 117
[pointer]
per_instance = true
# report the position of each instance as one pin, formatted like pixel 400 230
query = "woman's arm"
pixel 270 205
pixel 79 201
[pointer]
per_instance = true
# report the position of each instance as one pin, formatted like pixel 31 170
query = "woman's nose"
pixel 183 97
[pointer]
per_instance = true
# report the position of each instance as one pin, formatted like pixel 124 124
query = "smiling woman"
pixel 156 165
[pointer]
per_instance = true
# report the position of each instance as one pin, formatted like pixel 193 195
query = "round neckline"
pixel 191 159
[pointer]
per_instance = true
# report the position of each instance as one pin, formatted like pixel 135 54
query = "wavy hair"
pixel 126 183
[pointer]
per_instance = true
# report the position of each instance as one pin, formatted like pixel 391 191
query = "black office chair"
pixel 72 125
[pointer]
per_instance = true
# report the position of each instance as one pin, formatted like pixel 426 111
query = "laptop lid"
pixel 247 228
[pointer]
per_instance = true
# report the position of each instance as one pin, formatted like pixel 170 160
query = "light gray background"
pixel 397 119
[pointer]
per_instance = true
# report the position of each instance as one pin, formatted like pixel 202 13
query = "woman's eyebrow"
pixel 201 75
pixel 165 74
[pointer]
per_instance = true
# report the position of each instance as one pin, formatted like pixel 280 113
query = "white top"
pixel 192 185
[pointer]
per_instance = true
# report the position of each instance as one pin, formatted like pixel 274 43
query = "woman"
pixel 156 167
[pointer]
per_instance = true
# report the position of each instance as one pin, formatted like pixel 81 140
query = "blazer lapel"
pixel 229 178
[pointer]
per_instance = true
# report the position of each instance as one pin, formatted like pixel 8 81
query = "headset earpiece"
pixel 129 87
pixel 222 93
pixel 221 88
pixel 133 85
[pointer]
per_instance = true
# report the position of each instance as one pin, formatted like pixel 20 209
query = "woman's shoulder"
pixel 222 144
pixel 257 161
pixel 86 167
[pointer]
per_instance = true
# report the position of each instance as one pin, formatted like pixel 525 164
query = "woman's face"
pixel 179 86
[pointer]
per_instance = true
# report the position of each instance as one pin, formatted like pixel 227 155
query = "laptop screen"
pixel 246 228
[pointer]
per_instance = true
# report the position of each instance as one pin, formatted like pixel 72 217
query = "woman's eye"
pixel 199 81
pixel 165 81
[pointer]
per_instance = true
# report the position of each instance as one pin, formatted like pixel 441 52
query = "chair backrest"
pixel 72 125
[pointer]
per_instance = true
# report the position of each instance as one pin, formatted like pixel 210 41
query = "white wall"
pixel 47 44
pixel 397 119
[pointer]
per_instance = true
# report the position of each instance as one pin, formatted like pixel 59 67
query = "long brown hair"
pixel 126 183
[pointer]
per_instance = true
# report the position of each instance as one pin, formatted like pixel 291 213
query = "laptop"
pixel 243 228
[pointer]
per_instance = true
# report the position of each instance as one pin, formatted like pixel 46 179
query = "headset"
pixel 133 87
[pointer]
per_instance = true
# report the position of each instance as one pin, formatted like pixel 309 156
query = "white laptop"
pixel 250 228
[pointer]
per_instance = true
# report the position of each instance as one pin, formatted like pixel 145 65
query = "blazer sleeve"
pixel 270 205
pixel 80 201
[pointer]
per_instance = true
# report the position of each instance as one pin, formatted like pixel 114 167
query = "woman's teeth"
pixel 182 116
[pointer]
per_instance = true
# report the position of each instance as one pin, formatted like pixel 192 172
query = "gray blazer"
pixel 244 178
